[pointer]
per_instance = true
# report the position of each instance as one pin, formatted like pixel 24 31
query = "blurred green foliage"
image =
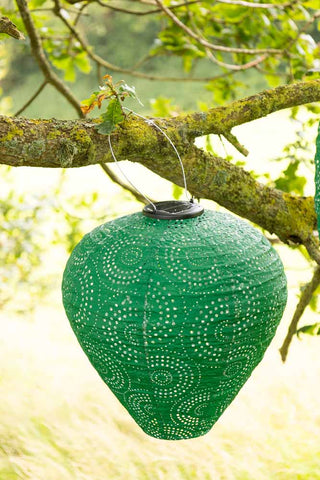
pixel 21 247
pixel 313 329
pixel 156 45
pixel 297 156
pixel 35 228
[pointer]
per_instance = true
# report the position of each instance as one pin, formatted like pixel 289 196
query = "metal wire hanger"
pixel 153 124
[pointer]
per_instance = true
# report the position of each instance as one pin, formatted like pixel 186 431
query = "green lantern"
pixel 174 308
pixel 317 178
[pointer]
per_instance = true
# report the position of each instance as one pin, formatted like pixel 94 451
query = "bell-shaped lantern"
pixel 174 307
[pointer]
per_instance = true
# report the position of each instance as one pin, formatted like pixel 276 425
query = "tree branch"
pixel 312 246
pixel 237 68
pixel 304 301
pixel 31 99
pixel 243 3
pixel 123 185
pixel 52 143
pixel 41 59
pixel 235 189
pixel 250 108
pixel 141 13
pixel 9 28
pixel 114 68
pixel 220 120
pixel 235 142
pixel 303 28
pixel 211 46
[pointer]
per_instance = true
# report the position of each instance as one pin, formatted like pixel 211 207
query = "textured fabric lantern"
pixel 174 312
pixel 317 178
pixel 174 309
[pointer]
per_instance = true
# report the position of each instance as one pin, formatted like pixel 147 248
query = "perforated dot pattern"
pixel 175 314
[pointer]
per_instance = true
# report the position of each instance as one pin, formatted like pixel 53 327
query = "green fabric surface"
pixel 317 178
pixel 175 314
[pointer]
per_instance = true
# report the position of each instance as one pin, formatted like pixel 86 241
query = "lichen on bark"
pixel 66 144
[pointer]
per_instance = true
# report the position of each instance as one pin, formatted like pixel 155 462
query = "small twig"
pixel 9 28
pixel 109 66
pixel 242 3
pixel 31 99
pixel 304 301
pixel 141 13
pixel 211 46
pixel 271 74
pixel 123 185
pixel 303 29
pixel 229 66
pixel 235 142
pixel 253 107
pixel 274 241
pixel 62 38
pixel 69 10
pixel 80 12
pixel 38 53
pixel 142 61
pixel 99 73
pixel 312 246
pixel 145 2
pixel 236 68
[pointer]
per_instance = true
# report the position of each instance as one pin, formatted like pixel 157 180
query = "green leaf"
pixel 176 191
pixel 313 329
pixel 203 106
pixel 312 74
pixel 89 101
pixel 209 145
pixel 289 181
pixel 70 72
pixel 313 304
pixel 65 63
pixel 311 4
pixel 111 118
pixel 162 107
pixel 82 62
pixel 294 112
pixel 187 63
pixel 231 13
pixel 131 91
pixel 273 80
pixel 36 3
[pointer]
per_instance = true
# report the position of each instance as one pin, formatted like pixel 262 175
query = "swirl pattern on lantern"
pixel 175 314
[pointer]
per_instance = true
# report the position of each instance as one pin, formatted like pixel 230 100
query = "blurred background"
pixel 58 421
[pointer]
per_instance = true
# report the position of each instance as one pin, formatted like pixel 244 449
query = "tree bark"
pixel 66 144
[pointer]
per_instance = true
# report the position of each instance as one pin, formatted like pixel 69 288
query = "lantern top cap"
pixel 173 210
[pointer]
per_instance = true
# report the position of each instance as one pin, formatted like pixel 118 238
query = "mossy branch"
pixel 54 143
pixel 304 301
pixel 134 137
pixel 221 119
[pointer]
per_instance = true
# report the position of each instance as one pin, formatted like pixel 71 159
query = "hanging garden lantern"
pixel 175 307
